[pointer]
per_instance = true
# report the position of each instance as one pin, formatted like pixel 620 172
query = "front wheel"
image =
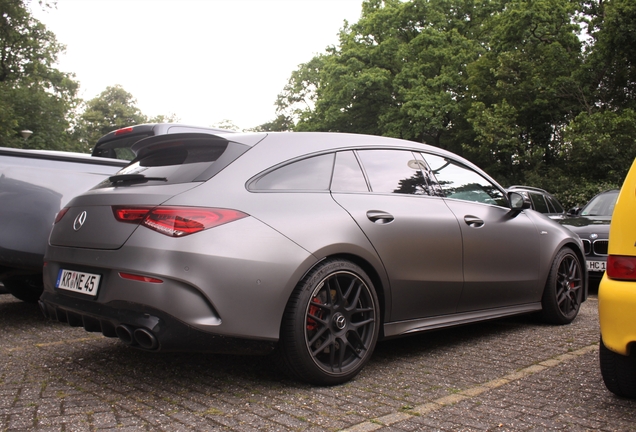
pixel 331 324
pixel 618 371
pixel 563 291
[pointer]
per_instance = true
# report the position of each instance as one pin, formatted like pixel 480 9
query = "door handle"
pixel 473 221
pixel 379 217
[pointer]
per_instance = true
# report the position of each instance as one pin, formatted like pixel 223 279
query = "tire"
pixel 26 288
pixel 331 324
pixel 563 292
pixel 618 371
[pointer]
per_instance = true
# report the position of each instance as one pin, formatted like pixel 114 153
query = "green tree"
pixel 112 109
pixel 34 94
pixel 601 138
pixel 522 89
pixel 401 70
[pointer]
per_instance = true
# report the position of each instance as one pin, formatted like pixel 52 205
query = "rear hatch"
pixel 165 166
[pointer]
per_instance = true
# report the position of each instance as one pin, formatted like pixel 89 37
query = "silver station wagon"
pixel 312 246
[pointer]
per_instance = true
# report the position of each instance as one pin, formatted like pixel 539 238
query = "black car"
pixel 592 223
pixel 541 201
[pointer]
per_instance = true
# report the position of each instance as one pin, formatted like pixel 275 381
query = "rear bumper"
pixel 617 314
pixel 143 327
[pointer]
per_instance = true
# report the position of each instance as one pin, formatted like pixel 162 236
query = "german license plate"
pixel 596 266
pixel 85 283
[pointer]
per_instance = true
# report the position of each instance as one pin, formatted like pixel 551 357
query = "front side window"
pixel 395 171
pixel 460 182
pixel 313 173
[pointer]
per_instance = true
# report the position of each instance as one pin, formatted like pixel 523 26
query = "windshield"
pixel 601 205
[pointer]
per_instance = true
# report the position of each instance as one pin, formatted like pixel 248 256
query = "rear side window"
pixel 555 207
pixel 182 160
pixel 539 203
pixel 311 174
pixel 347 174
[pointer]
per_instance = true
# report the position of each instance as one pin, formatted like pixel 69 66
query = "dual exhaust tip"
pixel 137 337
pixel 133 336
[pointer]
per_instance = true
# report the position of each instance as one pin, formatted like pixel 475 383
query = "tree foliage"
pixel 540 92
pixel 34 95
pixel 112 109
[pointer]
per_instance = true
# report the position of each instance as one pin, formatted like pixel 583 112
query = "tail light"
pixel 177 221
pixel 60 215
pixel 621 267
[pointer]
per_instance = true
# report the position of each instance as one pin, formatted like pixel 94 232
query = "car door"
pixel 501 248
pixel 415 234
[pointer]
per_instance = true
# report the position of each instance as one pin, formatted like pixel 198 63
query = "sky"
pixel 205 61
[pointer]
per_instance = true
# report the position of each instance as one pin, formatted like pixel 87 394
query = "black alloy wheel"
pixel 331 324
pixel 563 292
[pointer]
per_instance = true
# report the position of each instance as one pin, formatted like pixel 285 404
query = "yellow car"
pixel 617 296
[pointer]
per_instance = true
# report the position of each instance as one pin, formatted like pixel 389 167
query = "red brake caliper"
pixel 313 310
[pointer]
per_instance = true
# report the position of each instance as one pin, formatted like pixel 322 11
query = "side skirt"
pixel 400 328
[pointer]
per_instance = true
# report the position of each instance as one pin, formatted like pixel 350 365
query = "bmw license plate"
pixel 85 283
pixel 596 266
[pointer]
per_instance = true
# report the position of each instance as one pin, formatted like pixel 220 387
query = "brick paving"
pixel 506 375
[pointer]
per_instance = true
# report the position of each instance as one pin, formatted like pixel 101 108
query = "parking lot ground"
pixel 505 375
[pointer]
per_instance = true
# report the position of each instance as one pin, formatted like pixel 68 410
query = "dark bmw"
pixel 312 245
pixel 592 223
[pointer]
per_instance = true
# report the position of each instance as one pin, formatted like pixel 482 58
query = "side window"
pixel 313 173
pixel 347 174
pixel 539 203
pixel 555 205
pixel 394 171
pixel 460 182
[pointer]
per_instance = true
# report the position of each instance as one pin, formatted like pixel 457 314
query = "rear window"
pixel 119 148
pixel 176 159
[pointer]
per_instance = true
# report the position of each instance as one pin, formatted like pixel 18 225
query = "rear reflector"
pixel 177 221
pixel 621 267
pixel 139 278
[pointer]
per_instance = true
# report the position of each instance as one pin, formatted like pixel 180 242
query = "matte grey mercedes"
pixel 310 245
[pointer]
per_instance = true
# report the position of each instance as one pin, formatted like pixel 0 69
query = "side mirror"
pixel 574 211
pixel 519 201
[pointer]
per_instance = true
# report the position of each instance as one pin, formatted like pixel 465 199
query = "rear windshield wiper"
pixel 134 178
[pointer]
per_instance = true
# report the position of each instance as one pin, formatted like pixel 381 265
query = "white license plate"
pixel 85 283
pixel 596 266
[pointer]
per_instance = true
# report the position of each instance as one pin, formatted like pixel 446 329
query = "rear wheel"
pixel 618 371
pixel 331 324
pixel 26 288
pixel 563 291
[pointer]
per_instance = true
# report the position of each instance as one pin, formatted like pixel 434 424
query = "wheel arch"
pixel 380 284
pixel 574 247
